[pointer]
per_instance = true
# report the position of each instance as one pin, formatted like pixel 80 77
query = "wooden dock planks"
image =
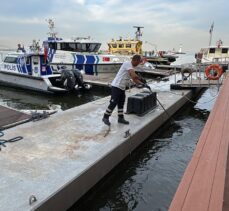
pixel 9 117
pixel 202 186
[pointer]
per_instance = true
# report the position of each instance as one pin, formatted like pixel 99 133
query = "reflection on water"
pixel 21 99
pixel 148 178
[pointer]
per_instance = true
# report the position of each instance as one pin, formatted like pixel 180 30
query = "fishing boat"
pixel 127 46
pixel 30 70
pixel 79 53
pixel 134 46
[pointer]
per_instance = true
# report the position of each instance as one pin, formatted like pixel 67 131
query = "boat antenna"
pixel 51 26
pixel 211 31
pixel 138 33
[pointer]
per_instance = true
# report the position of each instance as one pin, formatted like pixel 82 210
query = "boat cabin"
pixel 84 45
pixel 125 46
pixel 29 64
pixel 215 54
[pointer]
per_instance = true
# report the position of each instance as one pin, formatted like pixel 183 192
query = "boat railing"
pixel 221 59
pixel 193 75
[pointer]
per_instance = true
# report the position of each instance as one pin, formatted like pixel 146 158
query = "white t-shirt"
pixel 122 78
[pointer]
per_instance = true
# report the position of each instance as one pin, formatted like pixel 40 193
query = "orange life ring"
pixel 213 72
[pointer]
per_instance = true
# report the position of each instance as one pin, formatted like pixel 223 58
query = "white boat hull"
pixel 40 84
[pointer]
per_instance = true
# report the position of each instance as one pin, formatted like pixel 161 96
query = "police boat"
pixel 31 71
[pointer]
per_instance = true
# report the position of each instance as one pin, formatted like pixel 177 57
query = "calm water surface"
pixel 21 99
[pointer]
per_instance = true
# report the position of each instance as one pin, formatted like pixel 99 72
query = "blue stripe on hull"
pixel 90 59
pixel 80 59
pixel 89 69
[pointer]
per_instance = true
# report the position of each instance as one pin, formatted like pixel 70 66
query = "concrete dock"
pixel 60 158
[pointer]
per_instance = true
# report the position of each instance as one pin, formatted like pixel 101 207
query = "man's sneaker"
pixel 123 121
pixel 106 121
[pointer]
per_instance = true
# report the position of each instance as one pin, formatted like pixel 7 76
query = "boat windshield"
pixel 75 47
pixel 10 59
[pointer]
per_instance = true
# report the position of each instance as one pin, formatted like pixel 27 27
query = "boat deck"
pixel 10 117
pixel 205 183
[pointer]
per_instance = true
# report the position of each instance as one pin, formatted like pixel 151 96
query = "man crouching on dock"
pixel 119 84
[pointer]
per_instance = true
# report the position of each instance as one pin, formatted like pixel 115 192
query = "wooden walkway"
pixel 205 184
pixel 10 117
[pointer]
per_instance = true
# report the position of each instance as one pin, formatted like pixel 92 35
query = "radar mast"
pixel 51 26
pixel 138 33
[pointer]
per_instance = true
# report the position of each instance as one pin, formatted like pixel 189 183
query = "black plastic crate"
pixel 141 103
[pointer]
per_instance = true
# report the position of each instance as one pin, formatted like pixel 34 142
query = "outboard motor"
pixel 79 80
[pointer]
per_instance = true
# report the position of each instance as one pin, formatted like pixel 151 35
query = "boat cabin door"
pixel 36 65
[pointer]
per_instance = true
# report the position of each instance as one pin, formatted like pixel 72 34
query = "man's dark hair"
pixel 136 57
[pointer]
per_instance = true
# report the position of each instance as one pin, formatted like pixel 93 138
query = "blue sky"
pixel 167 23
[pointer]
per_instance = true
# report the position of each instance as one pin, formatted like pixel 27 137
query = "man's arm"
pixel 135 77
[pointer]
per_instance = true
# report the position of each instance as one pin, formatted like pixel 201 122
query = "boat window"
pixel 128 45
pixel 67 47
pixel 78 47
pixel 27 60
pixel 53 45
pixel 114 45
pixel 224 50
pixel 121 46
pixel 91 47
pixel 87 47
pixel 9 59
pixel 83 47
pixel 97 47
pixel 212 50
pixel 58 46
pixel 35 60
pixel 72 46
